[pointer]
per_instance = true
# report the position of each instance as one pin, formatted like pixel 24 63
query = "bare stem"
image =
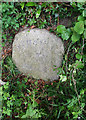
pixel 74 82
pixel 67 57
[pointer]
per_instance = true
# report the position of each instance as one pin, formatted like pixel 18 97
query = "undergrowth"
pixel 25 97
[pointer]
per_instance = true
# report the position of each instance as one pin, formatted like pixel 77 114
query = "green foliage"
pixel 38 13
pixel 61 28
pixel 85 33
pixel 75 37
pixel 77 30
pixel 22 5
pixel 32 111
pixel 31 21
pixel 61 99
pixel 30 4
pixel 65 33
pixel 78 64
pixel 78 56
pixel 12 19
pixel 75 105
pixel 79 27
pixel 8 13
pixel 13 100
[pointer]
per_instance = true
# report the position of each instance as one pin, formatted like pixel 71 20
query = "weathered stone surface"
pixel 36 52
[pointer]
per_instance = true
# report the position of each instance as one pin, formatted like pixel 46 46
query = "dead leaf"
pixel 49 98
pixel 33 26
pixel 38 101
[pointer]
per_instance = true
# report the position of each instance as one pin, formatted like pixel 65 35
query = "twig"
pixel 82 48
pixel 83 45
pixel 67 57
pixel 74 82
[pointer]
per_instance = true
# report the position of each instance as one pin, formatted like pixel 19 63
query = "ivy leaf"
pixel 85 22
pixel 85 34
pixel 79 27
pixel 61 28
pixel 80 18
pixel 30 4
pixel 65 35
pixel 38 13
pixel 78 56
pixel 75 37
pixel 84 13
pixel 24 116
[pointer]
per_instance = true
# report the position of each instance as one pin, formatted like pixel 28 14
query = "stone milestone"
pixel 36 51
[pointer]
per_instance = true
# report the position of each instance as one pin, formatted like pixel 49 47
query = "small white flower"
pixel 79 118
pixel 2 83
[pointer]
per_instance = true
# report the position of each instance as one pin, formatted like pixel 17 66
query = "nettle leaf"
pixel 30 4
pixel 79 27
pixel 38 13
pixel 85 34
pixel 61 28
pixel 75 37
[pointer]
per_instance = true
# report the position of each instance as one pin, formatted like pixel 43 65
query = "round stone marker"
pixel 36 51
